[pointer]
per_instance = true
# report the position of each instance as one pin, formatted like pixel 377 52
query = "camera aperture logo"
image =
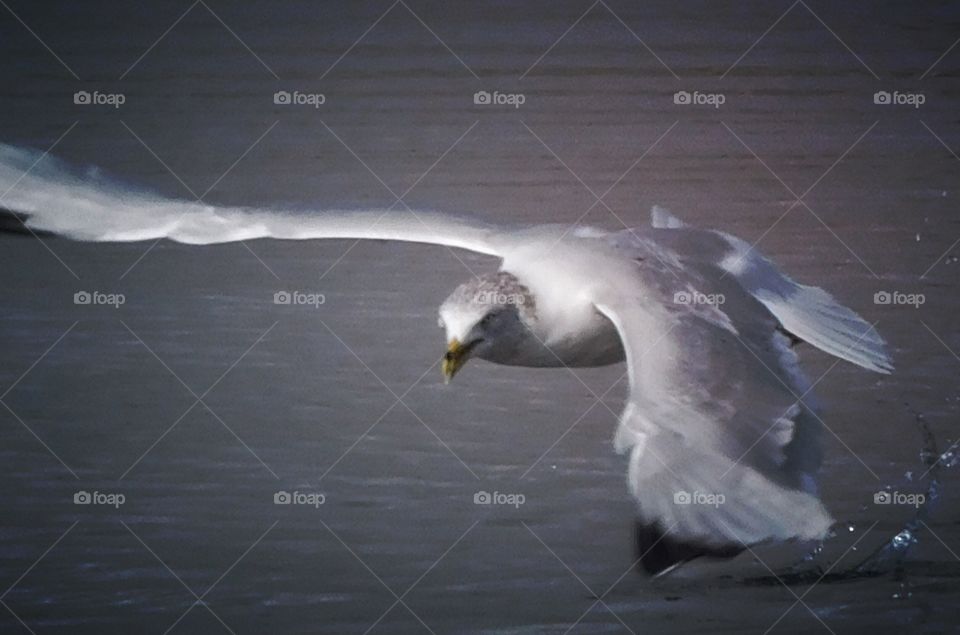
pixel 499 498
pixel 684 497
pixel 97 298
pixel 899 498
pixel 113 499
pixel 896 98
pixel 299 298
pixel 898 298
pixel 496 98
pixel 696 98
pixel 695 297
pixel 96 98
pixel 296 98
pixel 312 499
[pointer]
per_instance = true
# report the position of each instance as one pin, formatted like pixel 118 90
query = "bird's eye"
pixel 485 321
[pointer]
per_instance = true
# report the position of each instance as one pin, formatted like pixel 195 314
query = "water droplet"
pixel 949 458
pixel 903 540
pixel 904 592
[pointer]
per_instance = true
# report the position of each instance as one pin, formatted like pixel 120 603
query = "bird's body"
pixel 717 405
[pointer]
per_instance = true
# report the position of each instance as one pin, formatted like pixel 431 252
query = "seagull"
pixel 720 432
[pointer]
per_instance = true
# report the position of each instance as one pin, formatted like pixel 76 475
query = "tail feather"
pixel 661 218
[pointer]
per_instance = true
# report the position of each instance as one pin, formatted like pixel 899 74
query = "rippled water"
pixel 306 399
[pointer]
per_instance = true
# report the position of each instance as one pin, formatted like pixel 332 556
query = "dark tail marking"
pixel 15 223
pixel 794 340
pixel 658 552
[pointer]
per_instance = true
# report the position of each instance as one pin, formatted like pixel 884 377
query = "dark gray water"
pixel 199 398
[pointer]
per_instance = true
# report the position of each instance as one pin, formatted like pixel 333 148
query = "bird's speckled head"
pixel 485 317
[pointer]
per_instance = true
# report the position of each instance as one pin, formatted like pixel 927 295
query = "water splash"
pixel 888 557
pixel 903 540
pixel 950 458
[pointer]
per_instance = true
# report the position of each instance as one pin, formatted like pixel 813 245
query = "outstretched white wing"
pixel 48 195
pixel 722 449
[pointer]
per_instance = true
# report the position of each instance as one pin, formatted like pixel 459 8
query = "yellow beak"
pixel 456 356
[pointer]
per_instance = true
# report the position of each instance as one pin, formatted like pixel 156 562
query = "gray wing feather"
pixel 808 312
pixel 713 408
